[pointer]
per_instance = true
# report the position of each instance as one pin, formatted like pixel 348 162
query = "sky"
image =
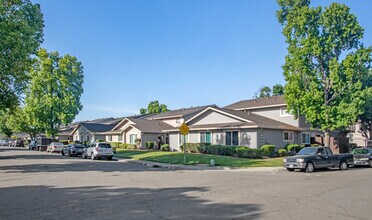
pixel 182 53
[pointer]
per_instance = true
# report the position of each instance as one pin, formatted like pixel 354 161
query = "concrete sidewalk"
pixel 200 166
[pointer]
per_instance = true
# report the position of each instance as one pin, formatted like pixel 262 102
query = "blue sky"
pixel 182 53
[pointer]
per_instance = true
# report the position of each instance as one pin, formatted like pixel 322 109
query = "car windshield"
pixel 104 145
pixel 308 151
pixel 58 144
pixel 360 151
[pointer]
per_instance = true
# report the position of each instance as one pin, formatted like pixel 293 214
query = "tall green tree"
pixel 4 128
pixel 265 92
pixel 278 89
pixel 20 122
pixel 21 33
pixel 365 119
pixel 53 96
pixel 154 107
pixel 325 64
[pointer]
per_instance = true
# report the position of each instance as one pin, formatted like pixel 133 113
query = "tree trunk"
pixel 327 139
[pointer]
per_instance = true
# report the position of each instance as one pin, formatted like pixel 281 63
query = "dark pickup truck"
pixel 311 158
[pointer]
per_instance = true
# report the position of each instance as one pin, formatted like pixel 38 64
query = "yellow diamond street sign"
pixel 184 129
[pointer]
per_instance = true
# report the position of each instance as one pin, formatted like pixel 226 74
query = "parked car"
pixel 362 156
pixel 55 147
pixel 311 158
pixel 73 150
pixel 12 143
pixel 32 145
pixel 98 150
pixel 4 142
pixel 19 143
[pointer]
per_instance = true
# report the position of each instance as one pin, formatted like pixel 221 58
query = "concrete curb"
pixel 200 167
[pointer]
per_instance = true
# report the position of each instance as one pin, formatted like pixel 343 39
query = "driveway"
pixel 37 185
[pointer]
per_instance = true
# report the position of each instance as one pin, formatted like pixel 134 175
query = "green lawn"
pixel 177 158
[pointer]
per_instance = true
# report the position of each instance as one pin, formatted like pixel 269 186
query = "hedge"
pixel 282 152
pixel 150 145
pixel 245 152
pixel 195 147
pixel 165 147
pixel 294 148
pixel 268 150
pixel 219 150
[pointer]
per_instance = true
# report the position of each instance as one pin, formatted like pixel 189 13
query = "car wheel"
pixel 63 153
pixel 93 157
pixel 343 165
pixel 309 167
pixel 290 169
pixel 69 154
pixel 370 164
pixel 109 158
pixel 83 155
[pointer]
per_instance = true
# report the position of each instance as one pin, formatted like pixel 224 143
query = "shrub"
pixel 245 152
pixel 115 144
pixel 219 150
pixel 294 148
pixel 127 146
pixel 282 152
pixel 315 145
pixel 268 150
pixel 100 140
pixel 150 145
pixel 64 142
pixel 165 147
pixel 195 147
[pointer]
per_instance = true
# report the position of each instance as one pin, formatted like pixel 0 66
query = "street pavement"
pixel 39 185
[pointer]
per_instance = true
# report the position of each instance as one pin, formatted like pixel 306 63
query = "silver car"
pixel 98 150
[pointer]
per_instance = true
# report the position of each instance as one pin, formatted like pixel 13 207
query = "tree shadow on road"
pixel 96 202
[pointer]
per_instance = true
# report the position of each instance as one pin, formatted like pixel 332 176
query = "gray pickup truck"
pixel 311 158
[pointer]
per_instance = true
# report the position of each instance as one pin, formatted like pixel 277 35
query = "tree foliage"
pixel 265 92
pixel 53 96
pixel 154 107
pixel 366 118
pixel 326 63
pixel 20 122
pixel 21 33
pixel 278 90
pixel 4 128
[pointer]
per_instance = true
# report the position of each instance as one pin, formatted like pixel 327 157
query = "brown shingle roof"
pixel 257 103
pixel 150 126
pixel 180 112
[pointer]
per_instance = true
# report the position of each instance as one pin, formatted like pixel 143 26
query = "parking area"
pixel 40 185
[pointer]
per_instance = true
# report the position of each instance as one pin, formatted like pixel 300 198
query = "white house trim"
pixel 216 110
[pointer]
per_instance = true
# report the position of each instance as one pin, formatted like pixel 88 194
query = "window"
pixel 120 137
pixel 132 138
pixel 110 138
pixel 284 113
pixel 232 138
pixel 305 138
pixel 287 136
pixel 321 151
pixel 181 140
pixel 205 137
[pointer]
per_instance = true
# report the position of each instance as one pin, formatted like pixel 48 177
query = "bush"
pixel 219 150
pixel 115 144
pixel 195 147
pixel 150 145
pixel 294 148
pixel 127 146
pixel 315 145
pixel 268 150
pixel 100 140
pixel 165 147
pixel 245 152
pixel 64 142
pixel 282 152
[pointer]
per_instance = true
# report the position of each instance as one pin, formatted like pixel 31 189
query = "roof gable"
pixel 258 103
pixel 213 116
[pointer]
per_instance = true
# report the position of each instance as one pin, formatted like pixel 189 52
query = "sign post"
pixel 184 130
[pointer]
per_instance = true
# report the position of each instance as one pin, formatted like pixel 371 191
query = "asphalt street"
pixel 39 185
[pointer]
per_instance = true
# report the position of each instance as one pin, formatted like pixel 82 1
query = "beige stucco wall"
pixel 274 113
pixel 212 117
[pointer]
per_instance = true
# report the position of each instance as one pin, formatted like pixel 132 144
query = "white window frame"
pixel 109 138
pixel 284 113
pixel 284 140
pixel 302 140
pixel 120 138
pixel 130 138
pixel 232 137
pixel 205 136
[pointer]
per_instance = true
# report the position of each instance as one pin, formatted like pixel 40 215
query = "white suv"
pixel 98 150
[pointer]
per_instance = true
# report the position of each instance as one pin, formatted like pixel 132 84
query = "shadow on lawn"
pixel 97 202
